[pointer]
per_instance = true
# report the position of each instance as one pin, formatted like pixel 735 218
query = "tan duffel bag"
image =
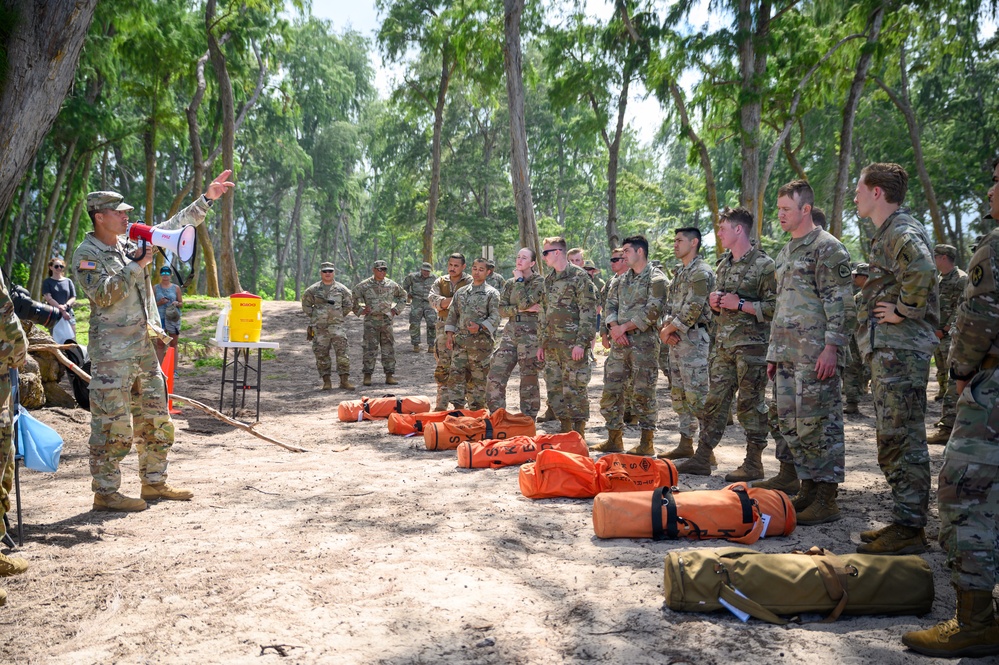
pixel 766 585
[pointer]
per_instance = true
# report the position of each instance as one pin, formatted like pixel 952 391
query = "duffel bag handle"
pixel 750 607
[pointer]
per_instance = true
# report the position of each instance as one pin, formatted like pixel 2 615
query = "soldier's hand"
pixel 771 370
pixel 219 186
pixel 939 334
pixel 885 313
pixel 729 301
pixel 714 299
pixel 959 385
pixel 825 366
pixel 446 303
pixel 474 328
pixel 605 341
pixel 535 308
pixel 578 353
pixel 450 341
pixel 541 354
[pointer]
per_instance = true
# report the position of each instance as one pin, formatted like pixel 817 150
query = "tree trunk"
pixel 149 150
pixel 752 66
pixel 197 180
pixel 45 229
pixel 835 217
pixel 283 248
pixel 520 170
pixel 447 69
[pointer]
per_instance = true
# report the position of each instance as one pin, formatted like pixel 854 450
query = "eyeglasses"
pixel 617 258
pixel 549 251
pixel 58 266
pixel 328 271
pixel 381 269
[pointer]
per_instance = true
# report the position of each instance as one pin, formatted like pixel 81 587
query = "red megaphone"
pixel 179 241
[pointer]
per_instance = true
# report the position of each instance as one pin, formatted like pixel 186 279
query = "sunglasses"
pixel 328 271
pixel 617 258
pixel 381 269
pixel 58 266
pixel 549 251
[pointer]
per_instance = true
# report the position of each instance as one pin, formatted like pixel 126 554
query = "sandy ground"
pixel 385 552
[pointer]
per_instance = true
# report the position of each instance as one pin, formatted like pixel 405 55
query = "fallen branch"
pixel 73 367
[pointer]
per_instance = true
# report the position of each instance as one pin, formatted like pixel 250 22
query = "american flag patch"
pixel 88 265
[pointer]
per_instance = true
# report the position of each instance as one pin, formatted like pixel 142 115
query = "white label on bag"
pixel 766 525
pixel 742 616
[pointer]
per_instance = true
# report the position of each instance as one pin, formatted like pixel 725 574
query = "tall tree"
pixel 520 172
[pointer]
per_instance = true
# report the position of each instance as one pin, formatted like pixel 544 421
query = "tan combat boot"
pixel 155 491
pixel 645 446
pixel 872 535
pixel 118 502
pixel 699 464
pixel 547 416
pixel 683 451
pixel 579 426
pixel 972 632
pixel 851 409
pixel 751 469
pixel 3 597
pixel 805 495
pixel 12 565
pixel 326 383
pixel 613 444
pixel 630 418
pixel 367 379
pixel 345 383
pixel 565 425
pixel 416 348
pixel 823 509
pixel 895 539
pixel 390 380
pixel 786 480
pixel 940 437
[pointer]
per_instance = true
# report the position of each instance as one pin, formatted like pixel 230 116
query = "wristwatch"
pixel 741 303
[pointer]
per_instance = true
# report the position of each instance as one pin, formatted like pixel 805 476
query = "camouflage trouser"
pixel 128 399
pixel 664 362
pixel 783 451
pixel 330 338
pixel 969 487
pixel 378 333
pixel 519 347
pixel 947 387
pixel 631 370
pixel 466 383
pixel 810 414
pixel 443 357
pixel 6 446
pixel 742 368
pixel 688 364
pixel 419 312
pixel 567 382
pixel 898 381
pixel 856 375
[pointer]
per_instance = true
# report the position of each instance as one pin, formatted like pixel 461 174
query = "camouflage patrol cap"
pixel 490 264
pixel 326 265
pixel 379 264
pixel 589 265
pixel 97 201
pixel 426 266
pixel 862 269
pixel 946 250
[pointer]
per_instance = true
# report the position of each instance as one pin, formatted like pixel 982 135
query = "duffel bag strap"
pixel 750 607
pixel 834 572
pixel 662 496
pixel 750 515
pixel 489 429
pixel 398 405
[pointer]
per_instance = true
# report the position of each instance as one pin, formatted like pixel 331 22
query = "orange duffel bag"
pixel 560 474
pixel 496 453
pixel 446 435
pixel 412 423
pixel 738 513
pixel 375 408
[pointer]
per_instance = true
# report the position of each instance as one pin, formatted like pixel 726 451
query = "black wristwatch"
pixel 741 303
pixel 208 202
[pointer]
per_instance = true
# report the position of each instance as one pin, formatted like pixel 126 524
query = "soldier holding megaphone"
pixel 111 267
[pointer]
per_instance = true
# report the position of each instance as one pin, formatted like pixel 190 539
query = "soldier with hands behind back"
pixel 327 304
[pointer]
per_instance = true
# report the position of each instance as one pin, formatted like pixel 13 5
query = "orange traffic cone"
pixel 169 366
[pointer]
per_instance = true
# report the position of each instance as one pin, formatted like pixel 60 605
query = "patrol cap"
pixel 490 264
pixel 379 264
pixel 946 250
pixel 862 269
pixel 590 265
pixel 326 265
pixel 427 266
pixel 97 201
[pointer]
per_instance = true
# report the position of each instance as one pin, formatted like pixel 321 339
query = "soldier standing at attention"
pixel 327 304
pixel 808 340
pixel 857 374
pixel 127 391
pixel 618 266
pixel 744 307
pixel 378 299
pixel 568 324
pixel 968 493
pixel 520 302
pixel 633 309
pixel 952 283
pixel 441 294
pixel 685 330
pixel 895 332
pixel 417 286
pixel 472 320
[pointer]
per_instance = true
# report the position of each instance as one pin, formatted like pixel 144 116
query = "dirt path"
pixel 385 552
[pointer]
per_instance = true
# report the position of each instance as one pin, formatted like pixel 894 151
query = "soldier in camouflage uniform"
pixel 494 279
pixel 618 266
pixel 808 350
pixel 378 299
pixel 520 302
pixel 857 375
pixel 471 326
pixel 952 283
pixel 685 330
pixel 441 295
pixel 127 390
pixel 327 304
pixel 968 493
pixel 567 325
pixel 13 353
pixel 896 335
pixel 633 309
pixel 417 286
pixel 744 306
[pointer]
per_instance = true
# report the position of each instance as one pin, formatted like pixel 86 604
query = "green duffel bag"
pixel 763 585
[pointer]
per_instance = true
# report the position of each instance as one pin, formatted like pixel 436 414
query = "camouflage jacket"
pixel 13 341
pixel 902 272
pixel 688 295
pixel 474 304
pixel 516 297
pixel 605 291
pixel 327 305
pixel 637 298
pixel 598 286
pixel 752 278
pixel 975 339
pixel 814 299
pixel 417 287
pixel 381 297
pixel 569 308
pixel 951 288
pixel 443 289
pixel 123 314
pixel 496 280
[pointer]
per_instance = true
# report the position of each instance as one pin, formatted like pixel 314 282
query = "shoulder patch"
pixel 88 265
pixel 977 274
pixel 844 270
